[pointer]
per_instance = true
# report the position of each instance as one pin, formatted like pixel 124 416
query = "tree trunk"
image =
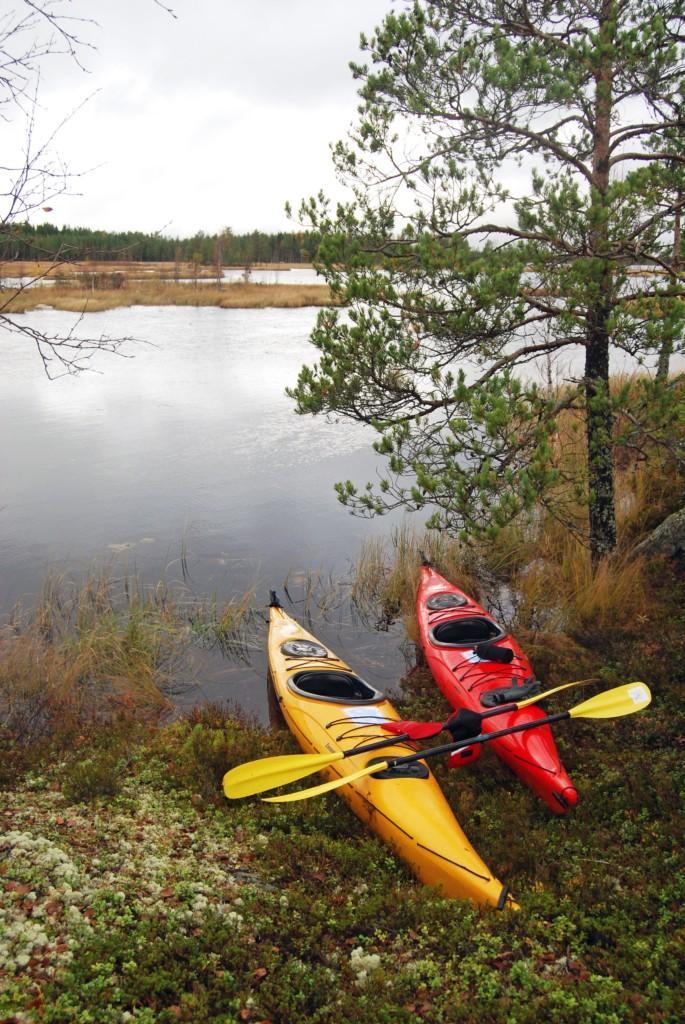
pixel 602 512
pixel 600 421
pixel 667 346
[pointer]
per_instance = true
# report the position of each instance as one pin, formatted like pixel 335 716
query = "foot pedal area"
pixel 413 770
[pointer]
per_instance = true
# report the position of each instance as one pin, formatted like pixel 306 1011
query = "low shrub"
pixel 99 775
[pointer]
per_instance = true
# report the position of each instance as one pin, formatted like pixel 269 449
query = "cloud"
pixel 215 117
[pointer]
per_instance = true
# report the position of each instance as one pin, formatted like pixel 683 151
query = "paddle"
pixel 622 700
pixel 427 730
pixel 253 777
pixel 270 772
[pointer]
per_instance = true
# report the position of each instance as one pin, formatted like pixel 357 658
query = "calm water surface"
pixel 190 446
pixel 258 275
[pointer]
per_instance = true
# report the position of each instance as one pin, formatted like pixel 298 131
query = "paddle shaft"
pixel 404 736
pixel 376 745
pixel 449 747
pixel 485 737
pixel 500 710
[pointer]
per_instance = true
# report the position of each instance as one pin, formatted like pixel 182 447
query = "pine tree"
pixel 511 166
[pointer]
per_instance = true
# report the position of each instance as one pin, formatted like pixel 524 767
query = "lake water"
pixel 188 463
pixel 256 275
pixel 189 447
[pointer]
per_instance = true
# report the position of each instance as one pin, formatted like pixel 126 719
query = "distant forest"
pixel 46 241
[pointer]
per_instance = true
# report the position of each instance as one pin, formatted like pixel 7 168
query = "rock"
pixel 667 539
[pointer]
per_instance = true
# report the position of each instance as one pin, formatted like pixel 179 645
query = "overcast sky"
pixel 212 119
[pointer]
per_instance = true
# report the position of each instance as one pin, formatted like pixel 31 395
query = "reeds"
pixel 315 593
pixel 91 650
pixel 559 590
pixel 227 626
pixel 81 298
pixel 132 269
pixel 384 578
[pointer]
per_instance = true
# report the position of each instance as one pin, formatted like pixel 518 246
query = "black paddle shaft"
pixel 464 741
pixel 377 745
pixel 484 737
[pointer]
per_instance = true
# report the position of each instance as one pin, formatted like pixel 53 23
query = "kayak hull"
pixel 465 679
pixel 409 813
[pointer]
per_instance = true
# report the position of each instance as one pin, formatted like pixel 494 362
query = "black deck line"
pixel 456 863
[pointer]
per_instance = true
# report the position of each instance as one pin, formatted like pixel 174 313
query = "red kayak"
pixel 478 666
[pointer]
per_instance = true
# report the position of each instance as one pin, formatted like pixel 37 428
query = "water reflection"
pixel 230 275
pixel 189 451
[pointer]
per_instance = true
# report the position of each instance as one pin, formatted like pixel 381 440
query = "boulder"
pixel 667 539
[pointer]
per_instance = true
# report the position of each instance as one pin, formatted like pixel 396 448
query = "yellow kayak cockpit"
pixel 337 687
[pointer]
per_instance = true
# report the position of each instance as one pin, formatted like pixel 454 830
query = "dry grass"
pixel 131 269
pixel 385 576
pixel 545 561
pixel 534 578
pixel 557 589
pixel 81 652
pixel 239 295
pixel 90 649
pixel 537 574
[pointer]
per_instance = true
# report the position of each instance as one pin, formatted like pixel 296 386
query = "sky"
pixel 210 119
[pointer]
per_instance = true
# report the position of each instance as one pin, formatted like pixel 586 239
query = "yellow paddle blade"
pixel 325 787
pixel 548 693
pixel 622 700
pixel 270 772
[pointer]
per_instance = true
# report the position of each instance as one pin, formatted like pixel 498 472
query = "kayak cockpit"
pixel 335 687
pixel 467 631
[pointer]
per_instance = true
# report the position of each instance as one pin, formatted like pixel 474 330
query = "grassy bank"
pixel 85 299
pixel 131 890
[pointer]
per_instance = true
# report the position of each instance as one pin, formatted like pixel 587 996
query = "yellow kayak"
pixel 329 708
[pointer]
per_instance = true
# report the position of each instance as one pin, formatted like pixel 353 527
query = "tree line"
pixel 47 241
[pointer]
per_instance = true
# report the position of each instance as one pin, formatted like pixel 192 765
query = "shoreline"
pixel 235 295
pixel 169 269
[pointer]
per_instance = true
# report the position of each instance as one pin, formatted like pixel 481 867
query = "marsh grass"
pixel 94 649
pixel 314 593
pixel 131 269
pixel 82 297
pixel 385 576
pixel 533 581
pixel 231 627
